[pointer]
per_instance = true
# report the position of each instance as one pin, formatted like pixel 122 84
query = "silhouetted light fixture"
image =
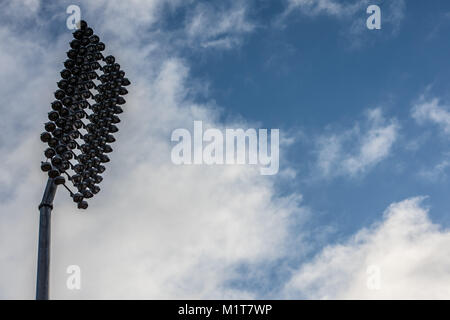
pixel 78 132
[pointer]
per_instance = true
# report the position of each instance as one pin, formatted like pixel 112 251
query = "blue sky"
pixel 305 75
pixel 365 121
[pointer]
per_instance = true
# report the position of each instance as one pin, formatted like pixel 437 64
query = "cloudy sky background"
pixel 364 161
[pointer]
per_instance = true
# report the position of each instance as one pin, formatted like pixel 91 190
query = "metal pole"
pixel 43 264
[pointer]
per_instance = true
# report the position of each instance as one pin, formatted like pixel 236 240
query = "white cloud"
pixel 396 14
pixel 437 172
pixel 353 15
pixel 408 250
pixel 432 111
pixel 328 7
pixel 218 27
pixel 128 17
pixel 205 25
pixel 355 151
pixel 20 8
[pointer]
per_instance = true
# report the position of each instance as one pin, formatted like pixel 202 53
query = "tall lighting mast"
pixel 79 132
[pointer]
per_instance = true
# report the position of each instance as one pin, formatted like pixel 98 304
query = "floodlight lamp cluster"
pixel 84 116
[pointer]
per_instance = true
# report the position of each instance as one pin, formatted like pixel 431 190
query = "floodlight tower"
pixel 79 132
